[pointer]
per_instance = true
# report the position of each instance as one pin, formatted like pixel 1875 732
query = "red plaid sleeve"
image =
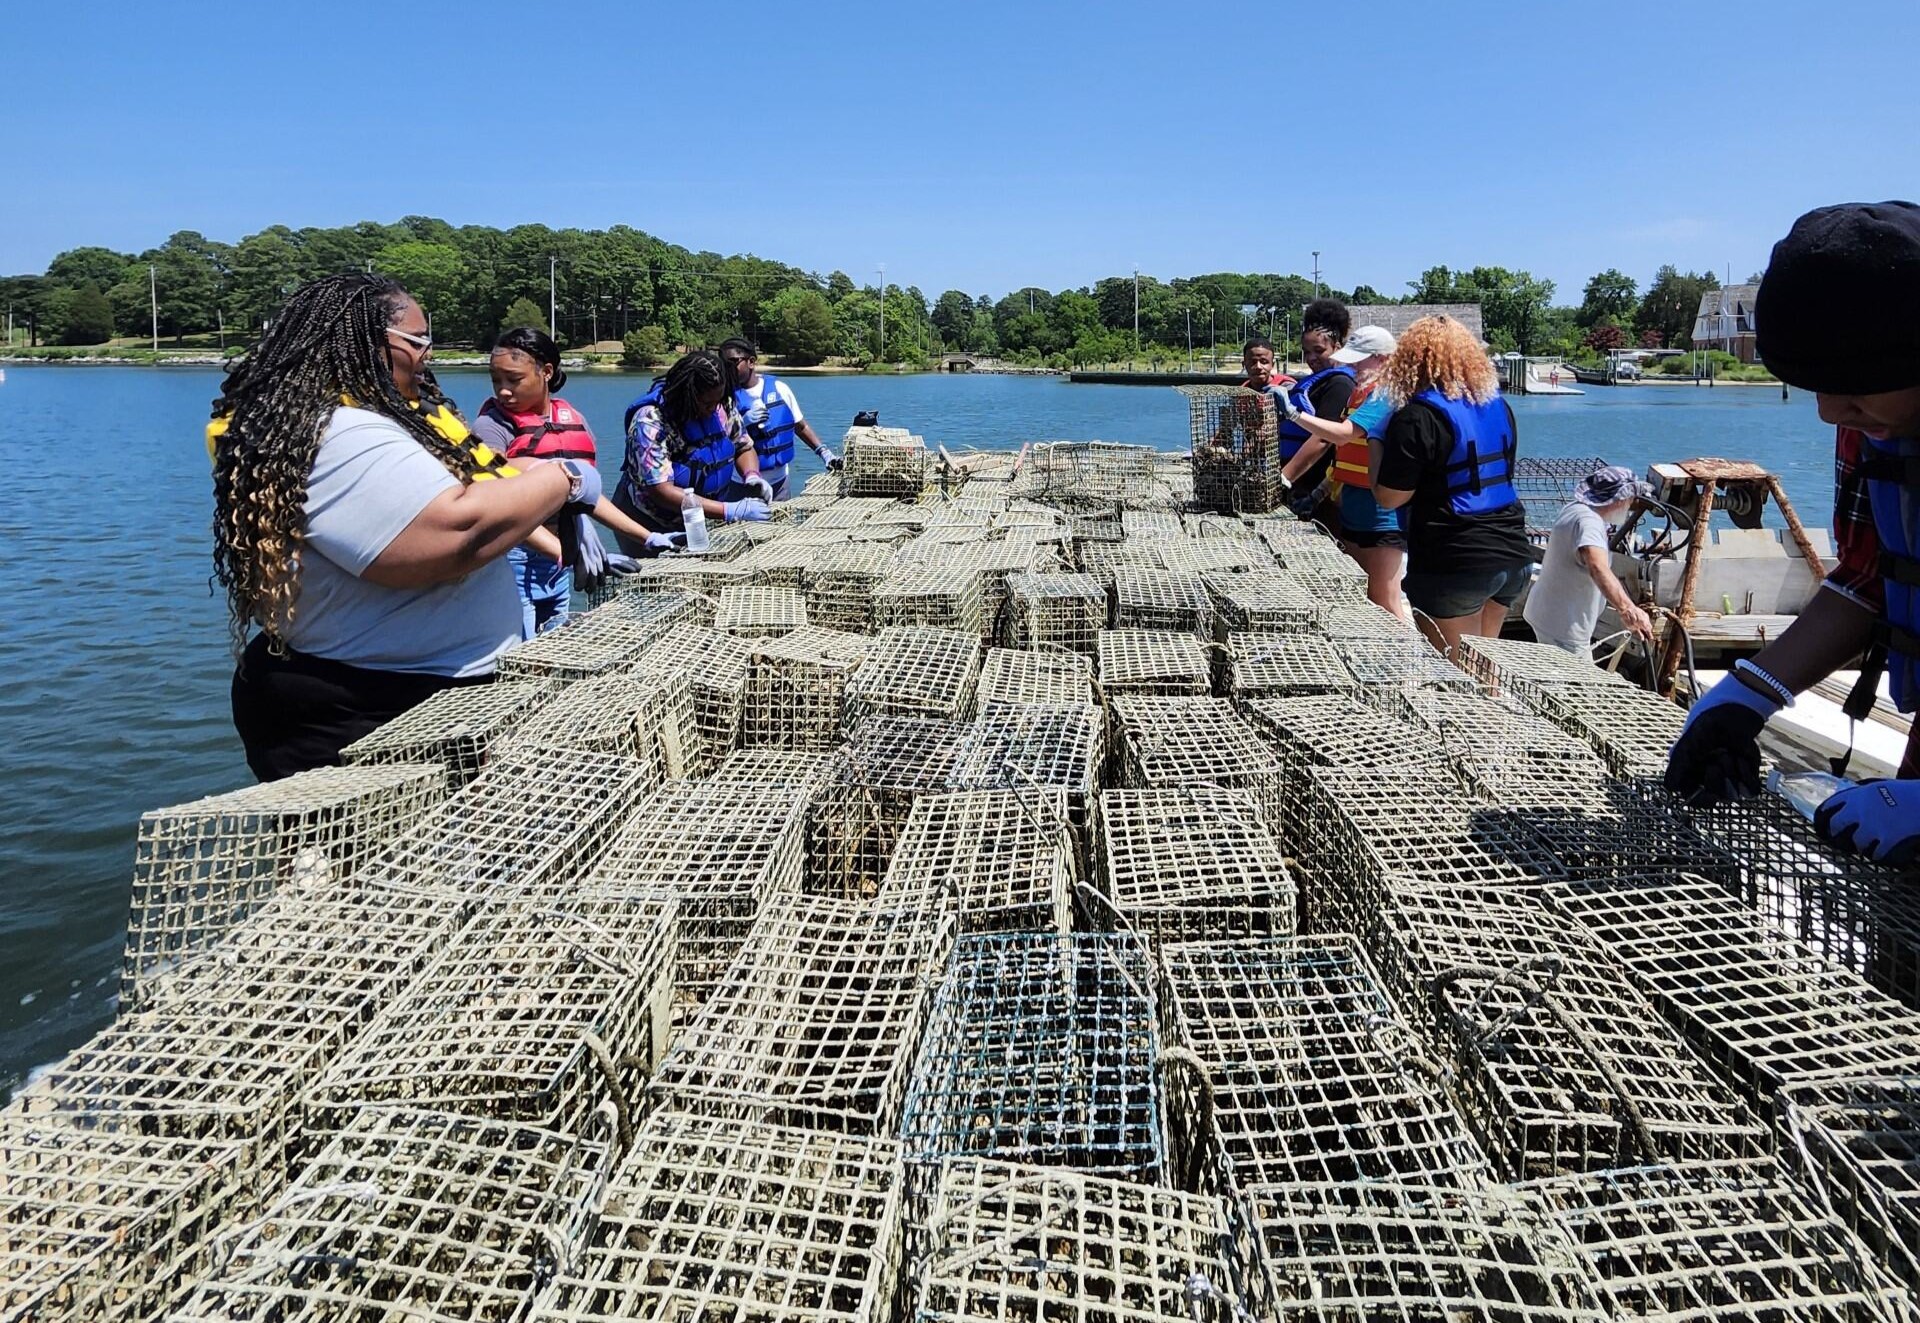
pixel 1855 541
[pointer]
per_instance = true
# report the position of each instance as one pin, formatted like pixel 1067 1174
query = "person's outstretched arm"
pixel 1636 621
pixel 467 526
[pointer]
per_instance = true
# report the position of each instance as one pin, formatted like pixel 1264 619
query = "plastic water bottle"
pixel 694 520
pixel 1806 791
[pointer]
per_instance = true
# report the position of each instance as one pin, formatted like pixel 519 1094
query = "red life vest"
pixel 561 434
pixel 1350 457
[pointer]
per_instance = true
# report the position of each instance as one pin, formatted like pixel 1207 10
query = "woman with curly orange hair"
pixel 1448 457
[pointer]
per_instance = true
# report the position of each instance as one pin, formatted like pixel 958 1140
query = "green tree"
pixel 799 323
pixel 432 272
pixel 953 314
pixel 644 347
pixel 78 267
pixel 1367 296
pixel 89 317
pixel 189 272
pixel 1513 305
pixel 1610 295
pixel 1671 303
pixel 525 312
pixel 263 270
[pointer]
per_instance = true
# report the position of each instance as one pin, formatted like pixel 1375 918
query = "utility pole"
pixel 1189 339
pixel 1316 273
pixel 882 356
pixel 553 317
pixel 1213 353
pixel 153 298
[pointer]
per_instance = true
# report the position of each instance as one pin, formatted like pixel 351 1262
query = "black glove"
pixel 581 549
pixel 1717 756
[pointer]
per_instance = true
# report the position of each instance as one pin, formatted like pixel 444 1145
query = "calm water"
pixel 115 650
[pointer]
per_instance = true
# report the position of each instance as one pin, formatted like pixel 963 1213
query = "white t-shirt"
pixel 1565 603
pixel 370 479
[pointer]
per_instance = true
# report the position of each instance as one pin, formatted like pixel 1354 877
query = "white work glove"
pixel 833 462
pixel 748 510
pixel 762 486
pixel 663 543
pixel 756 415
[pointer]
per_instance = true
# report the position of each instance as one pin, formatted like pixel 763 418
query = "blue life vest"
pixel 704 463
pixel 1292 435
pixel 1479 468
pixel 773 439
pixel 1892 471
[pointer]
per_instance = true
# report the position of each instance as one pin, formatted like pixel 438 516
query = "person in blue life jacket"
pixel 525 418
pixel 684 436
pixel 1447 456
pixel 1323 393
pixel 1838 314
pixel 772 415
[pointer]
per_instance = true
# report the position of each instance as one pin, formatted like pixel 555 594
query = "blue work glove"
pixel 1880 819
pixel 761 485
pixel 1285 403
pixel 1717 756
pixel 589 559
pixel 756 415
pixel 833 462
pixel 748 509
pixel 620 565
pixel 589 479
pixel 665 542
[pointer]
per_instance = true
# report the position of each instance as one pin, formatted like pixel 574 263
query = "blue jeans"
pixel 546 591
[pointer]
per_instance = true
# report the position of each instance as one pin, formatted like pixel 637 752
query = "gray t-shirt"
pixel 1565 603
pixel 370 480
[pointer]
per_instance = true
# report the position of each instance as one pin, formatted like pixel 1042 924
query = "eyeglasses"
pixel 735 362
pixel 424 342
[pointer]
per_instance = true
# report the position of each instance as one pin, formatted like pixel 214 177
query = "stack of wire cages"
pixel 715 665
pixel 1019 677
pixel 1054 748
pixel 1189 743
pixel 1263 601
pixel 603 639
pixel 1096 473
pixel 718 866
pixel 915 671
pixel 1148 661
pixel 457 728
pixel 1190 864
pixel 1856 1144
pixel 883 461
pixel 760 612
pixel 650 718
pixel 1172 600
pixel 930 595
pixel 539 1013
pixel 200 869
pixel 1235 436
pixel 995 563
pixel 711 1218
pixel 817 1020
pixel 1331 731
pixel 840 585
pixel 1003 860
pixel 797 688
pixel 1284 666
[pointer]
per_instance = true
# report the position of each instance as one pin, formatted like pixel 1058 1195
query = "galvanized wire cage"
pixel 1524 669
pixel 458 728
pixel 413 1214
pixel 603 639
pixel 817 1020
pixel 1144 661
pixel 883 461
pixel 712 1219
pixel 649 718
pixel 1263 601
pixel 1044 1049
pixel 930 595
pixel 797 688
pixel 1632 729
pixel 201 868
pixel 1014 678
pixel 890 763
pixel 1193 744
pixel 1284 666
pixel 1236 449
pixel 1310 1073
pixel 1173 600
pixel 1002 860
pixel 535 1013
pixel 840 585
pixel 715 666
pixel 760 612
pixel 1050 748
pixel 109 1224
pixel 1191 864
pixel 916 671
pixel 1011 1242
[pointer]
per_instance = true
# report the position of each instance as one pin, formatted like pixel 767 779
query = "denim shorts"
pixel 1463 593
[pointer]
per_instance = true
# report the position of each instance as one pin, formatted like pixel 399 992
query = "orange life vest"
pixel 1350 457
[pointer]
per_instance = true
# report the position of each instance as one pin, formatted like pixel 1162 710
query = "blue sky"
pixel 984 146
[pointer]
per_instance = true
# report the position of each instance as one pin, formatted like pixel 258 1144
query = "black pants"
pixel 297 712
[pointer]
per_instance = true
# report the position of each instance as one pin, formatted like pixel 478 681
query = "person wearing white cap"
pixel 1370 534
pixel 1576 578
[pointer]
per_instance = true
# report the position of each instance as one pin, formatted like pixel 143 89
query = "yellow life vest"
pixel 488 463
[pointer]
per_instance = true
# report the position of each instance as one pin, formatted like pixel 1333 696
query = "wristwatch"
pixel 575 481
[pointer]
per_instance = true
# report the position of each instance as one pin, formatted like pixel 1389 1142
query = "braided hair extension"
pixel 329 341
pixel 691 375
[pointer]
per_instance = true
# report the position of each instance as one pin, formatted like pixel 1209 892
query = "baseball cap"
pixel 1606 485
pixel 1365 342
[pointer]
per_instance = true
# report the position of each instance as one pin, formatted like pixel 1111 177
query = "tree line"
pixel 622 284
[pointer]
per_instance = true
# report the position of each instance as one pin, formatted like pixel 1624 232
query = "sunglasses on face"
pixel 422 342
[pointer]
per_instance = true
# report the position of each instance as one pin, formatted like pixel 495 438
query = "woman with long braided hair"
pixel 358 526
pixel 686 439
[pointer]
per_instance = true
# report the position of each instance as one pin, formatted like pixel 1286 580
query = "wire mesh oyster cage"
pixel 1190 863
pixel 201 868
pixel 916 671
pixel 1065 610
pixel 1150 661
pixel 890 763
pixel 760 612
pixel 883 461
pixel 603 639
pixel 840 584
pixel 1014 678
pixel 457 728
pixel 938 596
pixel 1174 600
pixel 797 687
pixel 1235 437
pixel 1002 860
pixel 715 665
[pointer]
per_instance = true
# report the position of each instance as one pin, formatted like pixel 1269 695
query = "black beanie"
pixel 1839 309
